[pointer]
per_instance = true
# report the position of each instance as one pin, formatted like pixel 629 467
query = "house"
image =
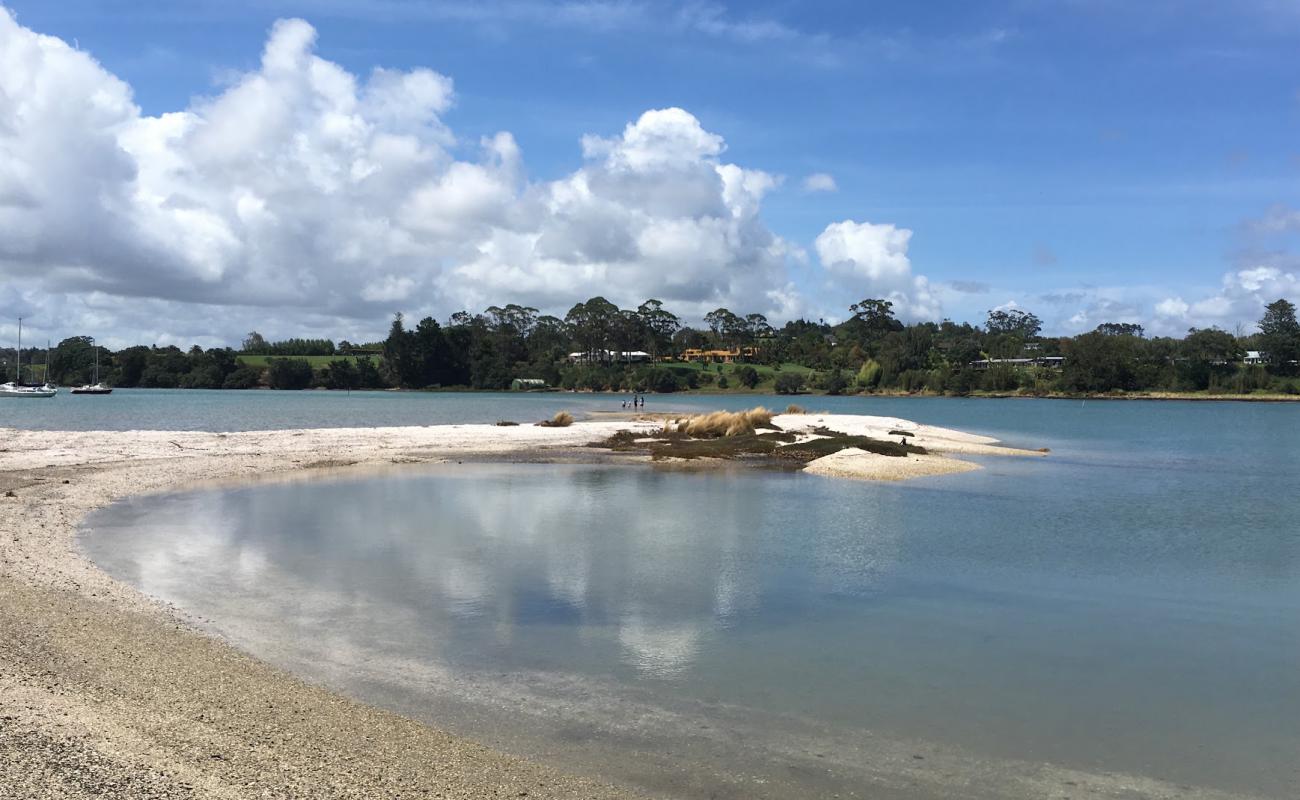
pixel 1046 362
pixel 609 356
pixel 716 356
pixel 1255 357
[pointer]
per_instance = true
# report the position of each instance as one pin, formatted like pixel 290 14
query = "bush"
pixel 288 373
pixel 747 376
pixel 243 378
pixel 562 419
pixel 869 375
pixel 722 382
pixel 660 380
pixel 789 383
pixel 964 382
pixel 835 383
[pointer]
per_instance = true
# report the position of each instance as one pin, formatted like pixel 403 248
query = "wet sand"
pixel 105 692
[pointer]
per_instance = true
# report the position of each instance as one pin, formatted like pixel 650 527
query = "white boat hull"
pixel 14 390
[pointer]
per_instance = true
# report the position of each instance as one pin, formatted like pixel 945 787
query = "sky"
pixel 181 172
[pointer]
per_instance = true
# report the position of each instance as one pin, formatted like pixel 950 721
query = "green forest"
pixel 598 346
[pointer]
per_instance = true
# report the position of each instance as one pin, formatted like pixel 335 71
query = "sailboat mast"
pixel 19 379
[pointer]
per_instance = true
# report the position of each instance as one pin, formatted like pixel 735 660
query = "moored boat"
pixel 96 387
pixel 16 388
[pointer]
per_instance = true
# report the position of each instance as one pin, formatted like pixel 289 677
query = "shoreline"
pixel 104 689
pixel 1191 397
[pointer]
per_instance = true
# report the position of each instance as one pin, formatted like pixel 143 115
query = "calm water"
pixel 212 410
pixel 1129 605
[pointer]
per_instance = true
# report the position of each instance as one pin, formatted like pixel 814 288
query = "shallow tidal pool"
pixel 1036 625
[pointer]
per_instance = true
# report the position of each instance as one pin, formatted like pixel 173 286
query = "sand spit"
pixel 103 692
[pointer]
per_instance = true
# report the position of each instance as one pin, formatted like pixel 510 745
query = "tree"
pixel 1095 362
pixel 876 316
pixel 728 329
pixel 429 351
pixel 1210 346
pixel 757 327
pixel 1015 322
pixel 288 373
pixel 1121 329
pixel 789 383
pixel 659 325
pixel 400 356
pixel 747 375
pixel 1279 335
pixel 254 344
pixel 592 323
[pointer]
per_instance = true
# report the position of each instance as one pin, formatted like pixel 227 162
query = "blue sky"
pixel 1078 158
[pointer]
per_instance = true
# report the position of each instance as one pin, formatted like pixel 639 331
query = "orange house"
pixel 723 356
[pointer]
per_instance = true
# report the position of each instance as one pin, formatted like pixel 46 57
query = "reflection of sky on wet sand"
pixel 615 556
pixel 973 614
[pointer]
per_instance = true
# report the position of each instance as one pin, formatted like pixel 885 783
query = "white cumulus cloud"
pixel 334 196
pixel 871 259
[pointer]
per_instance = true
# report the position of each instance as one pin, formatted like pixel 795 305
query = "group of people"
pixel 637 401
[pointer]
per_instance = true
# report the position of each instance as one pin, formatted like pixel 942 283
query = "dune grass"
pixel 562 419
pixel 724 423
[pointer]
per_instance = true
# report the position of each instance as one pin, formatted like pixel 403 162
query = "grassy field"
pixel 316 362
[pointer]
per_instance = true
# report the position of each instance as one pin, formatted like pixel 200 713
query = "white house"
pixel 625 356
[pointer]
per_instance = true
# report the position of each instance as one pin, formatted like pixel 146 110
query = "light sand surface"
pixel 104 692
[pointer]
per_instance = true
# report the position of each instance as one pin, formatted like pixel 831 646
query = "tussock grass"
pixel 562 419
pixel 795 408
pixel 725 423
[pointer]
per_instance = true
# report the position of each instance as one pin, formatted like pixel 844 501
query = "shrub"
pixel 659 379
pixel 243 378
pixel 562 419
pixel 788 383
pixel 835 383
pixel 722 382
pixel 747 376
pixel 288 373
pixel 964 381
pixel 869 375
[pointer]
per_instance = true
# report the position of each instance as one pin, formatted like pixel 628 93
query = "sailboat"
pixel 17 388
pixel 96 387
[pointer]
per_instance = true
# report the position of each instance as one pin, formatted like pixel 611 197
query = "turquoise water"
pixel 1129 605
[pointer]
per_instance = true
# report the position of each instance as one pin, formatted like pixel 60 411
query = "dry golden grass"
pixel 562 419
pixel 794 408
pixel 725 423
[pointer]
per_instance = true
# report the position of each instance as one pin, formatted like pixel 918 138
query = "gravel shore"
pixel 104 692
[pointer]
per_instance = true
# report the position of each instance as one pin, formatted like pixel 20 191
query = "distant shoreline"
pixel 1196 397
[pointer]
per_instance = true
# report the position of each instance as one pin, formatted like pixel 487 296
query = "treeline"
pixel 598 346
